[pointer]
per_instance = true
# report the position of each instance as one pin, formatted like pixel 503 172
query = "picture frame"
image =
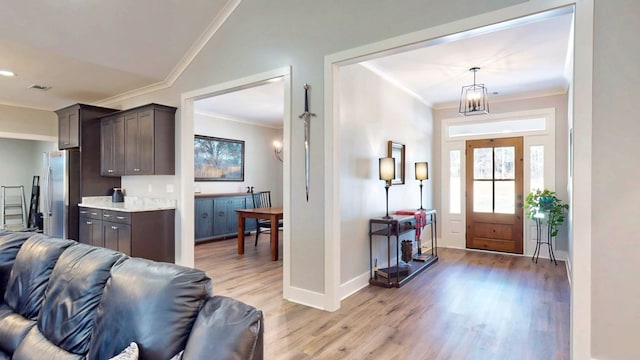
pixel 218 159
pixel 397 150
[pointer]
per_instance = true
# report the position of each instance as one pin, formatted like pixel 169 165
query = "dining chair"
pixel 262 199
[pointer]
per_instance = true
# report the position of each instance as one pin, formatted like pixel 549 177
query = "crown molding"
pixel 508 98
pixel 186 60
pixel 236 119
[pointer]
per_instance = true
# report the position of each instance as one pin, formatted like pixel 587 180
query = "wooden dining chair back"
pixel 262 199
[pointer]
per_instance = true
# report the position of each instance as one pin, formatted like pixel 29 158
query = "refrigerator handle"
pixel 49 192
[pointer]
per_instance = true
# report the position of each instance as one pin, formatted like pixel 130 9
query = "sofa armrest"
pixel 226 329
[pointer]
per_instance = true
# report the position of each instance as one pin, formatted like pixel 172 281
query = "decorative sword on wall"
pixel 306 115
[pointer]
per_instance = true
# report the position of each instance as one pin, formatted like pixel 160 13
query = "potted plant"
pixel 544 205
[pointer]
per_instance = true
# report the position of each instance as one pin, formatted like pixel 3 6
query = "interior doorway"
pixel 494 194
pixel 189 126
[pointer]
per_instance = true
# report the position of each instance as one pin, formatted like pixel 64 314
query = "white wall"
pixel 262 169
pixel 24 123
pixel 615 243
pixel 372 112
pixel 560 103
pixel 262 36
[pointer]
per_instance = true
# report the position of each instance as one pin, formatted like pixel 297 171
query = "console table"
pixel 398 273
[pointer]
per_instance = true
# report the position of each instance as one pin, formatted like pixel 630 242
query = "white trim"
pixel 236 119
pixel 186 60
pixel 306 297
pixel 332 266
pixel 568 266
pixel 545 137
pixel 508 98
pixel 185 246
pixel 24 136
pixel 354 285
pixel 583 84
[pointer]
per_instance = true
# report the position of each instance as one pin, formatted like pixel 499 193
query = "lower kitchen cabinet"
pixel 91 227
pixel 215 215
pixel 145 234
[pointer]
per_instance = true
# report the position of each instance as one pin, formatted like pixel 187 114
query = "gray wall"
pixel 261 36
pixel 615 244
pixel 365 129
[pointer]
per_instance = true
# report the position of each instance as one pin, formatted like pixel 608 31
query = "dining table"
pixel 273 214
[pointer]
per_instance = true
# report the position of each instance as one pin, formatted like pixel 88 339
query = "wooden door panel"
pixel 494 231
pixel 494 174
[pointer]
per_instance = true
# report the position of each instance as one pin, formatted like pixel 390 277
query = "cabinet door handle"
pixel 114 227
pixel 221 213
pixel 94 214
pixel 205 215
pixel 83 212
pixel 89 223
pixel 106 215
pixel 120 217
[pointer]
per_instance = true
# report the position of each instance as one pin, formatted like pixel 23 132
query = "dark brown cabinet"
pixel 91 227
pixel 147 145
pixel 145 234
pixel 69 127
pixel 112 142
pixel 79 127
pixel 116 231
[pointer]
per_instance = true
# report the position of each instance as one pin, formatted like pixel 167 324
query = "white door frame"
pixel 185 250
pixel 580 194
pixel 453 226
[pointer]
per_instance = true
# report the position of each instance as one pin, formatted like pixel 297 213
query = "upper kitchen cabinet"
pixel 112 146
pixel 71 120
pixel 148 145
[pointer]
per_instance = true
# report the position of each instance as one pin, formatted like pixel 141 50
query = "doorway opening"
pixel 254 110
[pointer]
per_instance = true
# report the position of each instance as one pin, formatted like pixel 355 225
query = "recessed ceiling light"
pixel 7 73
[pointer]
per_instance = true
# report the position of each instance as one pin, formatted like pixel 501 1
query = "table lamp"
pixel 387 168
pixel 422 173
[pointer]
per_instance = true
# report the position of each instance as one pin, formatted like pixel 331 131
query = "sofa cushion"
pixel 30 274
pixel 236 327
pixel 13 329
pixel 10 244
pixel 72 297
pixel 150 303
pixel 36 346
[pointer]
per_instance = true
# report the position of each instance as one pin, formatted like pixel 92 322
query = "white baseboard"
pixel 354 285
pixel 306 297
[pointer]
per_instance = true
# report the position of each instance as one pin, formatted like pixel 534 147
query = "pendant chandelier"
pixel 474 99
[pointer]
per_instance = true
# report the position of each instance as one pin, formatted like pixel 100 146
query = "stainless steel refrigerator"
pixel 60 191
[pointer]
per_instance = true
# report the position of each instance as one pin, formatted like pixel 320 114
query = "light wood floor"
pixel 469 305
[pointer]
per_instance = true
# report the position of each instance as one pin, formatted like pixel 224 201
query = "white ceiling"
pixel 90 50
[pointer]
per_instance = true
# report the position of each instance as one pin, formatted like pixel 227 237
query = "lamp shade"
pixel 387 168
pixel 422 170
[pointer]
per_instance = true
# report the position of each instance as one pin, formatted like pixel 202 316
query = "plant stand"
pixel 543 236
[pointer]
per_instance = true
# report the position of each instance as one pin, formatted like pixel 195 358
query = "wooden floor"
pixel 469 305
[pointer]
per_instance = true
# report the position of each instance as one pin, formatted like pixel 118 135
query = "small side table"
pixel 543 236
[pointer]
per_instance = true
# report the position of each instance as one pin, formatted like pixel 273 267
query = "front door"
pixel 494 194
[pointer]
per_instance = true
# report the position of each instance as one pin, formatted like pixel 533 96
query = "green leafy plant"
pixel 544 205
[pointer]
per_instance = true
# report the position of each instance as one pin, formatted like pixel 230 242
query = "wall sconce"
pixel 277 149
pixel 422 173
pixel 387 169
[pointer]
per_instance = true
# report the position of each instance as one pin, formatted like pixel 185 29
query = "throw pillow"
pixel 131 352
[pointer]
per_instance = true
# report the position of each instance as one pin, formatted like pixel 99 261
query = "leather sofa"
pixel 65 300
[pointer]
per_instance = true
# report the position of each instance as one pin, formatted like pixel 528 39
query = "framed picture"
pixel 396 150
pixel 217 159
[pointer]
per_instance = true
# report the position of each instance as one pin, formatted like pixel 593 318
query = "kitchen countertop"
pixel 130 204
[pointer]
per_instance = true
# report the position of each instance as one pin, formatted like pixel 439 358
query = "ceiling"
pixel 90 51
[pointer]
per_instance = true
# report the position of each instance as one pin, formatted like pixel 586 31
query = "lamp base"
pixel 387 217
